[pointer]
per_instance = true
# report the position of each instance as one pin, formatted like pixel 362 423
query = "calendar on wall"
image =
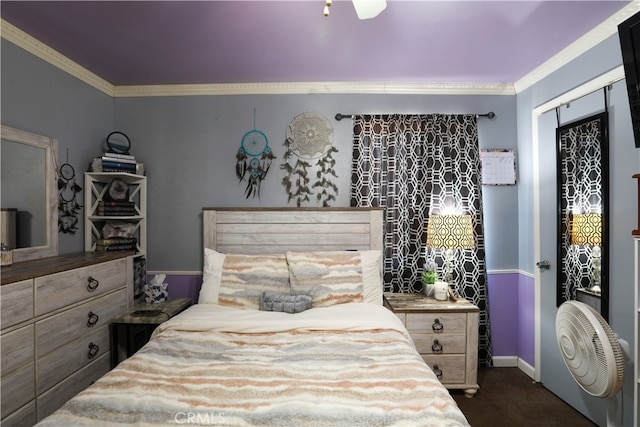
pixel 498 166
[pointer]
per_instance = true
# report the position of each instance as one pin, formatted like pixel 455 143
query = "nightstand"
pixel 131 331
pixel 445 334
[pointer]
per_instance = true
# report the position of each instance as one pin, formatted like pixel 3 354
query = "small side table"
pixel 130 331
pixel 445 334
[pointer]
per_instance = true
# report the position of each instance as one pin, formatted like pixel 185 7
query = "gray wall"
pixel 188 145
pixel 40 98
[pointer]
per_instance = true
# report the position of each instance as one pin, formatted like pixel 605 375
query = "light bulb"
pixel 326 11
pixel 329 2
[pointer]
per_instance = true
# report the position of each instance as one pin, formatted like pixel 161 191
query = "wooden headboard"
pixel 277 230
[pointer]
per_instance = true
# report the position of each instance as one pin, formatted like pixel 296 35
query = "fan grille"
pixel 590 349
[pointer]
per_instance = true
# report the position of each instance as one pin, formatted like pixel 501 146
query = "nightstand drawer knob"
pixel 437 326
pixel 437 371
pixel 93 350
pixel 93 319
pixel 92 284
pixel 436 347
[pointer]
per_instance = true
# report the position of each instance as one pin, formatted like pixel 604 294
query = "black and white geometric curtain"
pixel 414 166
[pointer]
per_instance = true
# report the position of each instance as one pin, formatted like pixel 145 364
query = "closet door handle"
pixel 93 319
pixel 92 284
pixel 93 350
pixel 436 347
pixel 437 326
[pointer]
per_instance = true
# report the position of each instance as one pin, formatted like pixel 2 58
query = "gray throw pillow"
pixel 272 301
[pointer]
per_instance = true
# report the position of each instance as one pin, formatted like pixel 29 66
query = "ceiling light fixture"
pixel 365 9
pixel 327 5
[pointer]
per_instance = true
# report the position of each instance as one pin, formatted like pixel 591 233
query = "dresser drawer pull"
pixel 92 284
pixel 437 326
pixel 93 319
pixel 93 350
pixel 437 371
pixel 436 347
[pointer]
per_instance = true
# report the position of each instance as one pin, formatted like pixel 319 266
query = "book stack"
pixel 117 244
pixel 119 208
pixel 115 162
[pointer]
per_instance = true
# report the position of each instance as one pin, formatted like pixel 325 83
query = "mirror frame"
pixel 580 259
pixel 50 145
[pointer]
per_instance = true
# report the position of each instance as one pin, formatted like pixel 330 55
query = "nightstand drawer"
pixel 83 319
pixel 452 367
pixel 65 360
pixel 439 344
pixel 436 323
pixel 61 289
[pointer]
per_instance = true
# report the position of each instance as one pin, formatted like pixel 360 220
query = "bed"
pixel 289 330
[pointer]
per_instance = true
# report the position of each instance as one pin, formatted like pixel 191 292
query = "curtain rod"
pixel 339 116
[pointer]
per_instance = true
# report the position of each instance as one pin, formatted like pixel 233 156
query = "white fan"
pixel 592 352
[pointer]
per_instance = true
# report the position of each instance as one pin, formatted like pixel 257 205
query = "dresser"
pixel 445 334
pixel 55 338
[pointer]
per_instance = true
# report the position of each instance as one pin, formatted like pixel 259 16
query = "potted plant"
pixel 429 277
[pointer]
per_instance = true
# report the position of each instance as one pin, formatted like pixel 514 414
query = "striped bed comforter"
pixel 344 365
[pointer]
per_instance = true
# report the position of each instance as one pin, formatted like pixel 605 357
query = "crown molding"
pixel 44 52
pixel 577 48
pixel 315 88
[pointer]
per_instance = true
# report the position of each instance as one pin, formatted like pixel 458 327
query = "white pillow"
pixel 211 276
pixel 372 276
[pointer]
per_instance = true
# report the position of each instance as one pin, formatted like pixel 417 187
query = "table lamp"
pixel 450 232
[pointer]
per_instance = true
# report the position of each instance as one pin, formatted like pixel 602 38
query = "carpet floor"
pixel 509 397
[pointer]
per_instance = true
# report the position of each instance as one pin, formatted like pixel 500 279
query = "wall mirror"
pixel 28 190
pixel 583 195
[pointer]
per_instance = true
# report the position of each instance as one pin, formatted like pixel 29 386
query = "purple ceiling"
pixel 207 42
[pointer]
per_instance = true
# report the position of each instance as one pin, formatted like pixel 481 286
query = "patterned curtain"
pixel 414 166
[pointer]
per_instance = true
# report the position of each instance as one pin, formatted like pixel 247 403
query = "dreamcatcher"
pixel 68 205
pixel 309 140
pixel 253 160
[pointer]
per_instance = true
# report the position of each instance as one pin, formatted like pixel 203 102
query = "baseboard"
pixel 513 362
pixel 526 368
pixel 505 361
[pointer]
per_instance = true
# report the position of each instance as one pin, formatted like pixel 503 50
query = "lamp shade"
pixel 450 232
pixel 586 229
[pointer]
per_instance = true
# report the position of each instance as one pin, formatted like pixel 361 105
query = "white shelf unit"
pixel 96 185
pixel 636 353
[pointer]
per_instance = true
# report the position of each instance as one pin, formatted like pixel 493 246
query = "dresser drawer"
pixel 439 344
pixel 25 416
pixel 430 323
pixel 452 367
pixel 16 302
pixel 53 399
pixel 74 323
pixel 18 388
pixel 65 360
pixel 68 287
pixel 16 349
